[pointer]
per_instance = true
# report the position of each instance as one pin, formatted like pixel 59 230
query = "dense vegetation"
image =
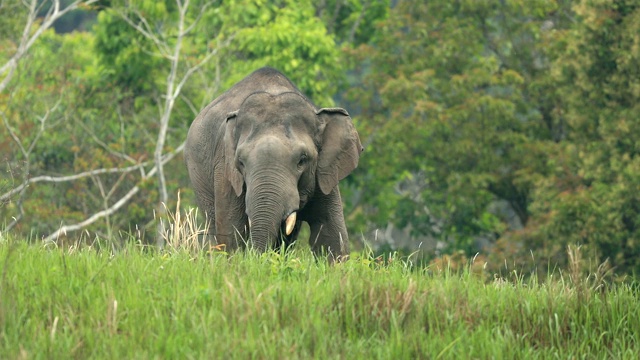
pixel 87 302
pixel 506 127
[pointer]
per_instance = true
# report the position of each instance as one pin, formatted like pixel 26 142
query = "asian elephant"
pixel 262 159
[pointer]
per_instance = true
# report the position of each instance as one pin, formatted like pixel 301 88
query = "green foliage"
pixel 109 85
pixel 447 116
pixel 123 54
pixel 472 113
pixel 353 22
pixel 12 13
pixel 139 303
pixel 471 109
pixel 593 194
pixel 286 35
pixel 42 97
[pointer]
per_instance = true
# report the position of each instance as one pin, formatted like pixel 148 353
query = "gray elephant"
pixel 262 159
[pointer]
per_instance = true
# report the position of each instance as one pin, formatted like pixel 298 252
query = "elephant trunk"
pixel 271 198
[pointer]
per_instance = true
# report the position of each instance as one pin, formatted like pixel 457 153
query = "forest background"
pixel 506 128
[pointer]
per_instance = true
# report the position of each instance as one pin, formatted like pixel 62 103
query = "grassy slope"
pixel 88 303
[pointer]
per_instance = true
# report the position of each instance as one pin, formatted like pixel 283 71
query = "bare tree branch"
pixel 59 179
pixel 169 102
pixel 13 135
pixel 203 8
pixel 105 201
pixel 116 186
pixel 26 154
pixel 170 49
pixel 104 145
pixel 334 19
pixel 356 24
pixel 174 86
pixel 322 4
pixel 116 206
pixel 95 217
pixel 43 121
pixel 197 67
pixel 146 30
pixel 29 38
pixel 181 70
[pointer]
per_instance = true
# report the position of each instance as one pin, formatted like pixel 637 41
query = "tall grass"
pixel 141 304
pixel 189 302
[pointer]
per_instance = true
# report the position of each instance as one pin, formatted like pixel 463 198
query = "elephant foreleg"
pixel 232 228
pixel 206 203
pixel 326 222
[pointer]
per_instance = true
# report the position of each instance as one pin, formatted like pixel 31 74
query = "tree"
pixel 451 118
pixel 352 22
pixel 126 101
pixel 18 40
pixel 593 195
pixel 31 32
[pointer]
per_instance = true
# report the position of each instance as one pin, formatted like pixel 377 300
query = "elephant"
pixel 262 158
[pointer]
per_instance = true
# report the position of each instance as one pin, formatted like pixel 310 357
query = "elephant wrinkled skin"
pixel 262 159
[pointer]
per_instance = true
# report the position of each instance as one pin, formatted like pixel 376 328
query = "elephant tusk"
pixel 290 223
pixel 249 223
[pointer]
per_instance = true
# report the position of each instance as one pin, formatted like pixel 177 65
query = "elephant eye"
pixel 303 160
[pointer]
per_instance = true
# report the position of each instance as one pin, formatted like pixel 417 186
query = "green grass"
pixel 137 303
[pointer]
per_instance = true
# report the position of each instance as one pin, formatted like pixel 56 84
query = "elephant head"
pixel 279 151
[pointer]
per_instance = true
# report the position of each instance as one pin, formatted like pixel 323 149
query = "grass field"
pixel 139 303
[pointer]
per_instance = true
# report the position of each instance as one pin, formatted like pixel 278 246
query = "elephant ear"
pixel 340 148
pixel 230 144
